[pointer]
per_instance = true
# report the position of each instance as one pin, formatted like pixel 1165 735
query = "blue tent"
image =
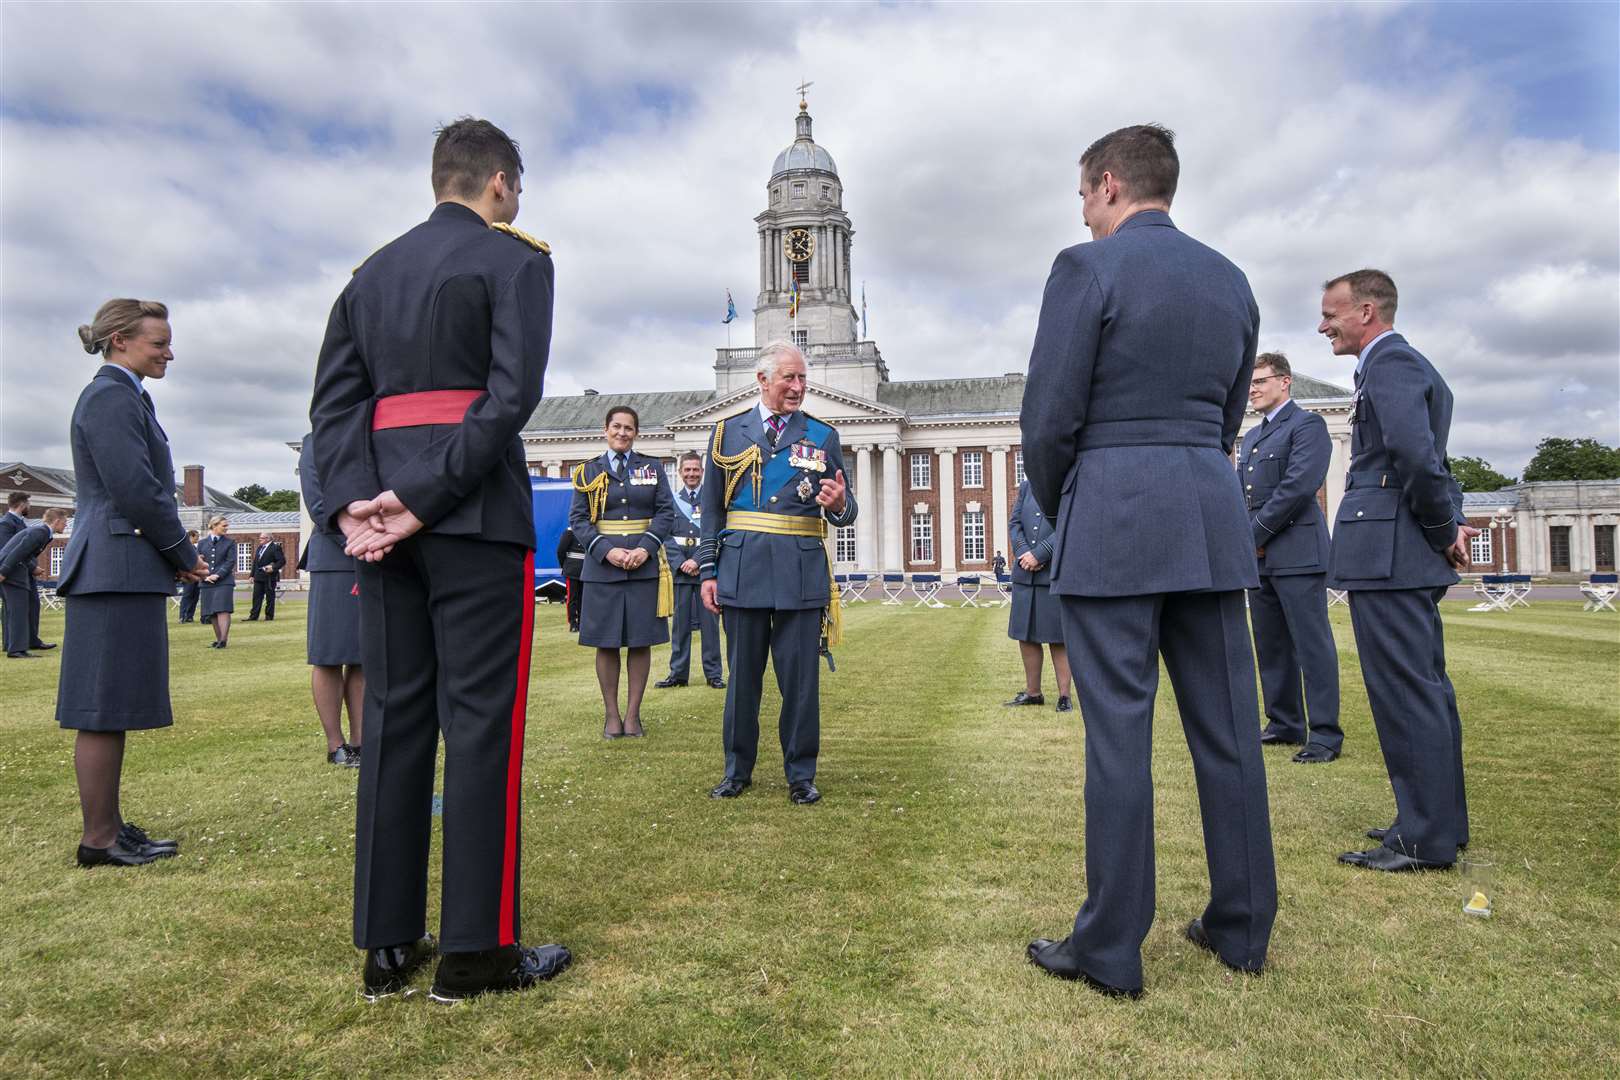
pixel 552 496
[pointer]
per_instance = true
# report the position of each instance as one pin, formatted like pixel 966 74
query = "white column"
pixel 999 503
pixel 1338 467
pixel 866 520
pixel 945 530
pixel 893 521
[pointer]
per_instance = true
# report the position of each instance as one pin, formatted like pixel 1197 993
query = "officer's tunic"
pixel 455 309
pixel 620 609
pixel 218 597
pixel 690 614
pixel 19 593
pixel 332 628
pixel 1036 616
pixel 773 589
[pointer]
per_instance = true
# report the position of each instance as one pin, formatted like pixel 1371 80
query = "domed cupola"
pixel 803 153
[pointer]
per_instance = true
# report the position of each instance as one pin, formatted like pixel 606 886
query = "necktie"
pixel 690 496
pixel 147 398
pixel 776 424
pixel 618 464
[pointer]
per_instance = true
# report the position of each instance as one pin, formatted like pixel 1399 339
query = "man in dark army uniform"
pixel 433 360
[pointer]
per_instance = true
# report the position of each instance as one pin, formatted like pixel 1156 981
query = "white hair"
pixel 771 354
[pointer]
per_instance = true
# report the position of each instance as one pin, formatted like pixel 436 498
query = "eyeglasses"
pixel 1266 378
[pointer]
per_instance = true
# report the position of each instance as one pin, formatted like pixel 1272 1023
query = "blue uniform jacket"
pixel 763 570
pixel 1030 530
pixel 127 536
pixel 11 523
pixel 1401 506
pixel 683 539
pixel 324 552
pixel 18 556
pixel 641 494
pixel 1138 381
pixel 220 553
pixel 1282 468
pixel 451 305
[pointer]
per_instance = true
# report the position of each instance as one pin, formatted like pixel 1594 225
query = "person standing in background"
pixel 268 561
pixel 17 558
pixel 218 598
pixel 332 629
pixel 189 589
pixel 690 614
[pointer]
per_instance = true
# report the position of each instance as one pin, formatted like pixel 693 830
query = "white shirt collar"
pixel 1272 415
pixel 764 413
pixel 134 378
pixel 1361 361
pixel 607 458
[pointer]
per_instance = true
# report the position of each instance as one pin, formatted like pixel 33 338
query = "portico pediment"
pixel 833 406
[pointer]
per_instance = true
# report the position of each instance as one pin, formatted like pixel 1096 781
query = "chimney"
pixel 191 493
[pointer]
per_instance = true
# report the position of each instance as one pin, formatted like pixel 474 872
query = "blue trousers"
pixel 1299 664
pixel 792 640
pixel 690 614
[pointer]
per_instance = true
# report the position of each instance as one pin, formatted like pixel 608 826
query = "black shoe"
pixel 117 855
pixel 1064 704
pixel 730 788
pixel 803 792
pixel 1022 698
pixel 1271 738
pixel 639 733
pixel 1390 861
pixel 496 971
pixel 344 757
pixel 1379 834
pixel 252 618
pixel 717 684
pixel 43 645
pixel 1050 957
pixel 665 684
pixel 606 734
pixel 354 755
pixel 1196 935
pixel 133 836
pixel 388 970
pixel 1315 754
pixel 22 656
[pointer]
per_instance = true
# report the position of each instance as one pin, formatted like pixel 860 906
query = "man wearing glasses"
pixel 1283 464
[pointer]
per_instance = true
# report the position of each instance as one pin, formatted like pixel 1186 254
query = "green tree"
pixel 1573 459
pixel 285 499
pixel 252 493
pixel 1476 474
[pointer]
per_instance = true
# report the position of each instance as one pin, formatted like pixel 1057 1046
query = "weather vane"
pixel 803 86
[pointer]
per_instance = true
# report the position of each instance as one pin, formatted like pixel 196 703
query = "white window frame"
pixel 973 536
pixel 922 538
pixel 244 556
pixel 56 560
pixel 801 338
pixel 844 549
pixel 973 468
pixel 922 465
pixel 1480 548
pixel 1018 467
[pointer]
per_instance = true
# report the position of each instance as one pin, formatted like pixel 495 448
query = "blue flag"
pixel 731 309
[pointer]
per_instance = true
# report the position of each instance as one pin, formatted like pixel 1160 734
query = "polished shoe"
pixel 496 971
pixel 389 970
pixel 42 645
pixel 117 855
pixel 354 755
pixel 341 756
pixel 803 792
pixel 1064 704
pixel 730 788
pixel 1390 861
pixel 133 836
pixel 717 684
pixel 1023 698
pixel 1049 956
pixel 665 684
pixel 1271 738
pixel 1315 754
pixel 1196 935
pixel 1379 834
pixel 22 656
pixel 639 733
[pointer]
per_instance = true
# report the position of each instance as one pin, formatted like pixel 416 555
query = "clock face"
pixel 800 245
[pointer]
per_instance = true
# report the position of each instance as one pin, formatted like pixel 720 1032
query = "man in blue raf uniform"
pixel 1136 390
pixel 690 614
pixel 774 483
pixel 1283 465
pixel 1397 544
pixel 17 558
pixel 433 360
pixel 19 596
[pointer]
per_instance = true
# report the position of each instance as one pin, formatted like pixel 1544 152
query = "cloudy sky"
pixel 236 161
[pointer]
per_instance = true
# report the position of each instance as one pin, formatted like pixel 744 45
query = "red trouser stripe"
pixel 514 760
pixel 422 407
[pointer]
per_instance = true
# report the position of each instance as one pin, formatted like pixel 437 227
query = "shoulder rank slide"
pixel 519 234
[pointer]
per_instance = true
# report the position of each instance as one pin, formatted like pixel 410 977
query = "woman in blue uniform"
pixel 219 586
pixel 332 631
pixel 623 509
pixel 1037 618
pixel 122 559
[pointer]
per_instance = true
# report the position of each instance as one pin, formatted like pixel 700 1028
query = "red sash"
pixel 424 407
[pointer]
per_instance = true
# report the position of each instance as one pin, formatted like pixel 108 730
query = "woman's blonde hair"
pixel 218 519
pixel 118 317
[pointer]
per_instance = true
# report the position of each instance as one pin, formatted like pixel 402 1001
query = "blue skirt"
pixel 216 599
pixel 622 615
pixel 1037 616
pixel 115 663
pixel 332 634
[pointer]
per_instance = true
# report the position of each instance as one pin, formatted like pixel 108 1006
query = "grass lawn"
pixel 880 933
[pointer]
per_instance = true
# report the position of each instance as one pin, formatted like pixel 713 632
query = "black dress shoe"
pixel 133 836
pixel 730 788
pixel 1064 704
pixel 117 855
pixel 252 618
pixel 496 971
pixel 1390 861
pixel 1196 935
pixel 1315 754
pixel 343 757
pixel 22 656
pixel 1023 698
pixel 1049 956
pixel 1271 738
pixel 717 684
pixel 665 684
pixel 42 645
pixel 389 970
pixel 1379 834
pixel 803 792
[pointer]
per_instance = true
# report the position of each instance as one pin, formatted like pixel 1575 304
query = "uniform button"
pixel 1248 487
pixel 624 500
pixel 1251 468
pixel 1360 512
pixel 773 498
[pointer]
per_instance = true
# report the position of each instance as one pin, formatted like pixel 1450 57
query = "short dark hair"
pixel 467 153
pixel 55 513
pixel 1142 157
pixel 1276 361
pixel 690 455
pixel 16 498
pixel 1370 285
pixel 635 417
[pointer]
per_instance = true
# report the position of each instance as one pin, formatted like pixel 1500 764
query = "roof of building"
pixel 804 154
pixel 267 520
pixel 1305 388
pixel 588 412
pixel 69 485
pixel 60 478
pixel 1487 501
pixel 919 398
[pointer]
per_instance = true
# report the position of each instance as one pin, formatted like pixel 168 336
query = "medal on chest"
pixel 805 488
pixel 643 475
pixel 807 455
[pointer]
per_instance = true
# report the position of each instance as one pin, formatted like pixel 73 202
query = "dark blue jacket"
pixel 127 536
pixel 641 494
pixel 683 539
pixel 1138 382
pixel 451 305
pixel 1401 506
pixel 220 554
pixel 11 523
pixel 765 570
pixel 324 552
pixel 1282 467
pixel 1030 530
pixel 18 555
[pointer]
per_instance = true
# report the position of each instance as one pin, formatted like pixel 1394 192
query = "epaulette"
pixel 518 234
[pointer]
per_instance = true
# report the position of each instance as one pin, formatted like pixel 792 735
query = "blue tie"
pixel 618 464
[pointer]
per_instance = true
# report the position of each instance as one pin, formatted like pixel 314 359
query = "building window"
pixel 1018 467
pixel 798 189
pixel 826 191
pixel 56 560
pixel 922 471
pixel 536 470
pixel 801 338
pixel 972 468
pixel 1558 545
pixel 776 195
pixel 973 536
pixel 1479 548
pixel 844 545
pixel 801 274
pixel 1603 547
pixel 922 538
pixel 244 557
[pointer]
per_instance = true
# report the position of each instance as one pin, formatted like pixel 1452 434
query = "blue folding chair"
pixel 925 587
pixel 894 586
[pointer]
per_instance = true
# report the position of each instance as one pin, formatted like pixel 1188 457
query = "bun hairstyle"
pixel 118 317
